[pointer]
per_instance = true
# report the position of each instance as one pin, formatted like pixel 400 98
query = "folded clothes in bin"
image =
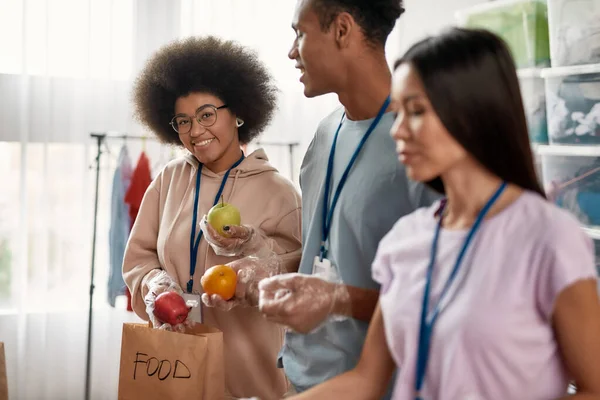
pixel 574 108
pixel 580 194
pixel 574 32
pixel 589 202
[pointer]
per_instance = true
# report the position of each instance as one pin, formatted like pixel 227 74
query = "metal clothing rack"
pixel 100 138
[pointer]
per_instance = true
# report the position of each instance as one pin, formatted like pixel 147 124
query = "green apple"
pixel 223 214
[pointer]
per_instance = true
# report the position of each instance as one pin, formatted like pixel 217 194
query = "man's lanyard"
pixel 428 321
pixel 327 210
pixel 195 241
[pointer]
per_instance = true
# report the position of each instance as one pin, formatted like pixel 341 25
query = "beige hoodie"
pixel 161 239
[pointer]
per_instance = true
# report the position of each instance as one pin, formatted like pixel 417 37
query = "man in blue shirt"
pixel 353 188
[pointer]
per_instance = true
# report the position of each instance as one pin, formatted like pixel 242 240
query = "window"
pixel 67 38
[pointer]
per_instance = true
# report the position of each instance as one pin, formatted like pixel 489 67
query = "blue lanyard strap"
pixel 195 241
pixel 426 326
pixel 327 210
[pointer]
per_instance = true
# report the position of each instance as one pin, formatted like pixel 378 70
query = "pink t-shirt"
pixel 493 338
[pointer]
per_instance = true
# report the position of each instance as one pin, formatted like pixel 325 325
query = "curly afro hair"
pixel 207 64
pixel 376 17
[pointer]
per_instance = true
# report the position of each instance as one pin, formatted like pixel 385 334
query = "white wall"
pixel 425 17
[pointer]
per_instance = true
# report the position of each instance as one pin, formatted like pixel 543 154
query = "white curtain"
pixel 66 68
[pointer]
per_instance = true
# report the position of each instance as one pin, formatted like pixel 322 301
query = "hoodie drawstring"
pixel 235 179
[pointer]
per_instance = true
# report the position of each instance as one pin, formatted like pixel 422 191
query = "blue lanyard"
pixel 426 328
pixel 327 210
pixel 195 244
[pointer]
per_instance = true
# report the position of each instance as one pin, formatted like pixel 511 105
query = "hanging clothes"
pixel 120 225
pixel 140 180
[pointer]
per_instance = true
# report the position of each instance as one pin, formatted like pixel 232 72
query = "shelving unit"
pixel 566 150
pixel 548 86
pixel 594 233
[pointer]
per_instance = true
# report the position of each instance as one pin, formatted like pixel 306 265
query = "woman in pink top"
pixel 490 294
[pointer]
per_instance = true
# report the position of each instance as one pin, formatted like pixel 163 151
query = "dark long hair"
pixel 470 78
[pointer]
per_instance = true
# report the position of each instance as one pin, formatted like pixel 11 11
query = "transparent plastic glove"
pixel 250 271
pixel 156 285
pixel 302 302
pixel 243 240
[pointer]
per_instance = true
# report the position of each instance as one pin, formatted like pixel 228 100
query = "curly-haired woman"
pixel 212 96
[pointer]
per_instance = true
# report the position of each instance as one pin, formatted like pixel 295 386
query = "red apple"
pixel 170 308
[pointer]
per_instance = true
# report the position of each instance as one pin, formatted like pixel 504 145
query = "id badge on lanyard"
pixel 322 267
pixel 194 303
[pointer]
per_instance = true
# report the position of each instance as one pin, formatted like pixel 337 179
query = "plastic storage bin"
pixel 574 32
pixel 537 163
pixel 523 24
pixel 573 183
pixel 573 104
pixel 597 248
pixel 597 251
pixel 533 92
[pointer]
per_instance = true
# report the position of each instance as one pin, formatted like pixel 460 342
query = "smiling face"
pixel 315 51
pixel 423 143
pixel 216 146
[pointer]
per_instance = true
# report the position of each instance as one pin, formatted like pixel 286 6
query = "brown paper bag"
pixel 3 378
pixel 157 364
